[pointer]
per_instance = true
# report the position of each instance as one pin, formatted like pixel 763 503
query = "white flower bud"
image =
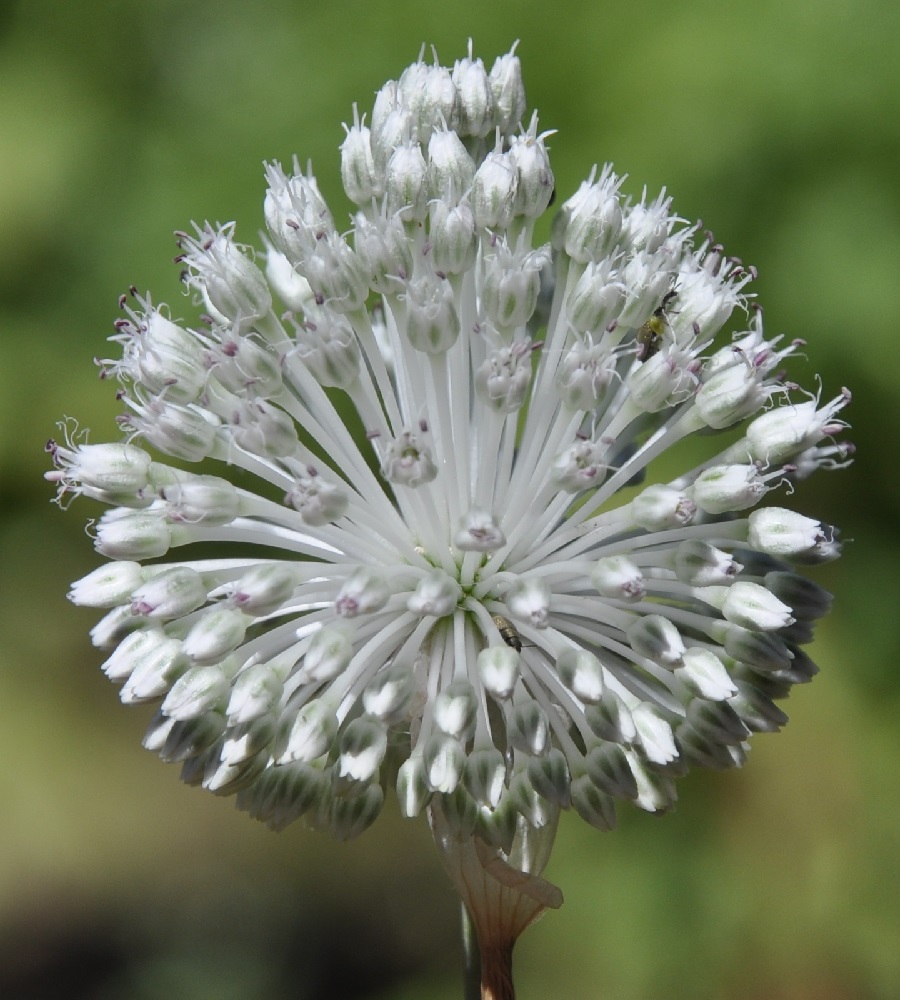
pixel 580 467
pixel 509 92
pixel 207 500
pixel 217 632
pixel 328 347
pixel 437 594
pixel 592 805
pixel 510 290
pixel 661 381
pixel 432 323
pixel 413 792
pixel 700 564
pixel 527 729
pixel 806 599
pixel 705 674
pixel 107 586
pixel 451 231
pixel 318 502
pixel 179 431
pixel 656 792
pixel 363 593
pixel 593 218
pixel 358 172
pixel 476 98
pixel 498 668
pixel 389 693
pixel 610 719
pixel 787 535
pixel 406 183
pixel 619 578
pixel 427 92
pixel 256 692
pixel 455 708
pixel 168 359
pixel 197 691
pixel 170 594
pixel 407 461
pixel 752 606
pixel 263 588
pixel 328 654
pixel 245 742
pixel 585 374
pixel 660 507
pixel 656 737
pixel 503 378
pixel 776 436
pixel 493 195
pixel 444 760
pixel 233 287
pixel 582 673
pixel 485 776
pixel 479 532
pixel 336 274
pixel 114 473
pixel 534 182
pixel 730 395
pixel 450 168
pixel 725 488
pixel 155 665
pixel 596 298
pixel 314 729
pixel 384 252
pixel 529 601
pixel 608 768
pixel 549 775
pixel 362 747
pixel 142 648
pixel 656 638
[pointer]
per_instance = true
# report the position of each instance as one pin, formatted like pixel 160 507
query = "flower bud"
pixel 363 593
pixel 549 775
pixel 358 172
pixel 413 793
pixel 498 668
pixel 476 98
pixel 388 695
pixel 263 588
pixel 256 692
pixel 592 805
pixel 660 507
pixel 618 577
pixel 479 532
pixel 754 607
pixel 455 708
pixel 197 691
pixel 529 601
pixel 328 654
pixel 444 760
pixel 788 535
pixel 610 719
pixel 699 564
pixel 362 747
pixel 503 378
pixel 725 488
pixel 170 594
pixel 437 594
pixel 527 729
pixel 107 586
pixel 509 92
pixel 608 768
pixel 656 638
pixel 485 775
pixel 582 673
pixel 406 183
pixel 705 674
pixel 214 635
pixel 314 729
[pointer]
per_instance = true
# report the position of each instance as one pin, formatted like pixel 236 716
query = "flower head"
pixel 428 548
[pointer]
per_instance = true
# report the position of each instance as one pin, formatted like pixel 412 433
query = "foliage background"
pixel 122 120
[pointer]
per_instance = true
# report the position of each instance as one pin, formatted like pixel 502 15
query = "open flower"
pixel 436 556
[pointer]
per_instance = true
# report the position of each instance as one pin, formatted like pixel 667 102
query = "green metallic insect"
pixel 650 335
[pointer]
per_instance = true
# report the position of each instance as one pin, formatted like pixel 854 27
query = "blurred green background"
pixel 778 123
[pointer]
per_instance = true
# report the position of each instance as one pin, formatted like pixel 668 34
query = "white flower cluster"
pixel 433 558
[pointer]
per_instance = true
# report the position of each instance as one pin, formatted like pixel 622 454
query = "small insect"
pixel 650 334
pixel 508 632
